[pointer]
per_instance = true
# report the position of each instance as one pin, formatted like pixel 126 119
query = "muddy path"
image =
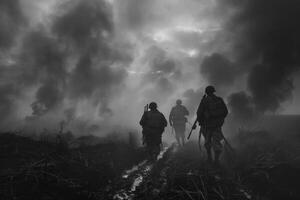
pixel 128 186
pixel 265 170
pixel 178 173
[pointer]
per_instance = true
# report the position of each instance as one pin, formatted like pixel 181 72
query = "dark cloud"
pixel 270 85
pixel 89 26
pixel 48 97
pixel 163 69
pixel 218 70
pixel 84 22
pixel 89 77
pixel 69 114
pixel 11 18
pixel 42 62
pixel 11 21
pixel 267 33
pixel 81 51
pixel 241 106
pixel 42 58
pixel 159 61
pixel 136 14
pixel 7 95
pixel 84 27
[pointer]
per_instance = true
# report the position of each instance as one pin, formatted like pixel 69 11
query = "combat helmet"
pixel 178 102
pixel 152 106
pixel 210 89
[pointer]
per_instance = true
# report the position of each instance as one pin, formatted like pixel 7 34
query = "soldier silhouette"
pixel 211 114
pixel 153 123
pixel 178 120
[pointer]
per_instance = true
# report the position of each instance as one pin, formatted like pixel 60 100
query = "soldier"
pixel 177 120
pixel 153 123
pixel 210 116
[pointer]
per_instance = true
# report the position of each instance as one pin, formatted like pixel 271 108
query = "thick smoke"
pixel 93 63
pixel 43 64
pixel 11 21
pixel 270 85
pixel 84 23
pixel 88 27
pixel 268 36
pixel 7 92
pixel 68 63
pixel 11 18
pixel 218 70
pixel 241 106
pixel 47 97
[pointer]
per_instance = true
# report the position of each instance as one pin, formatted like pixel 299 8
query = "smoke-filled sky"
pixel 96 63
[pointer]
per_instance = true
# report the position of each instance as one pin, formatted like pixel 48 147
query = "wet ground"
pixel 178 173
pixel 260 167
pixel 183 173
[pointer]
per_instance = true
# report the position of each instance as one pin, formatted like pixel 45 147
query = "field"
pixel 262 166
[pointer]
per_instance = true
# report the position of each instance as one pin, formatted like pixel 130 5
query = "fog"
pixel 94 64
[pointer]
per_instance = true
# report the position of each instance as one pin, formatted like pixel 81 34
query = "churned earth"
pixel 261 166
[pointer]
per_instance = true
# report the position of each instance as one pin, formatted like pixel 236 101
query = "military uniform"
pixel 177 119
pixel 210 115
pixel 153 123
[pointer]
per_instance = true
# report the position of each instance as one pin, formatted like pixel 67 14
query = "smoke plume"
pixel 268 42
pixel 95 63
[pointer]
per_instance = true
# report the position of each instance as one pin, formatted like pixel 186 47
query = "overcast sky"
pixel 96 63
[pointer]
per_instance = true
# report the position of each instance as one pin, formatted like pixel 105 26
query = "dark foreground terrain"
pixel 260 167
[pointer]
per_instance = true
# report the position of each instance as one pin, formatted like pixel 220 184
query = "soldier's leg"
pixel 216 144
pixel 177 134
pixel 183 138
pixel 156 150
pixel 150 147
pixel 208 143
pixel 183 135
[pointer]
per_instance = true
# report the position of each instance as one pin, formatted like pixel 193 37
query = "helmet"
pixel 152 106
pixel 178 102
pixel 210 89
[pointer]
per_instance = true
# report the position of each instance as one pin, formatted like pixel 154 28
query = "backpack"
pixel 178 114
pixel 155 120
pixel 216 107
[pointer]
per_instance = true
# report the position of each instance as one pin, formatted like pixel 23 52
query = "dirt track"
pixel 260 169
pixel 263 168
pixel 173 174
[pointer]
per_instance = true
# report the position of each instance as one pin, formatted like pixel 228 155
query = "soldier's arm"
pixel 165 122
pixel 186 111
pixel 226 109
pixel 171 117
pixel 200 111
pixel 143 120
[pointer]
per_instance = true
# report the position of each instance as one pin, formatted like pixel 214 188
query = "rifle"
pixel 172 130
pixel 192 129
pixel 146 108
pixel 228 144
pixel 204 96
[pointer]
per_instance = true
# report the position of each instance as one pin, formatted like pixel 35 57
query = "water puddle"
pixel 137 173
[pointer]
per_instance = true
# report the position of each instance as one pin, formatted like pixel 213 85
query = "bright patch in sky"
pixel 162 36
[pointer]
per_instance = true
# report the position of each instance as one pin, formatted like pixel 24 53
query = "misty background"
pixel 94 64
